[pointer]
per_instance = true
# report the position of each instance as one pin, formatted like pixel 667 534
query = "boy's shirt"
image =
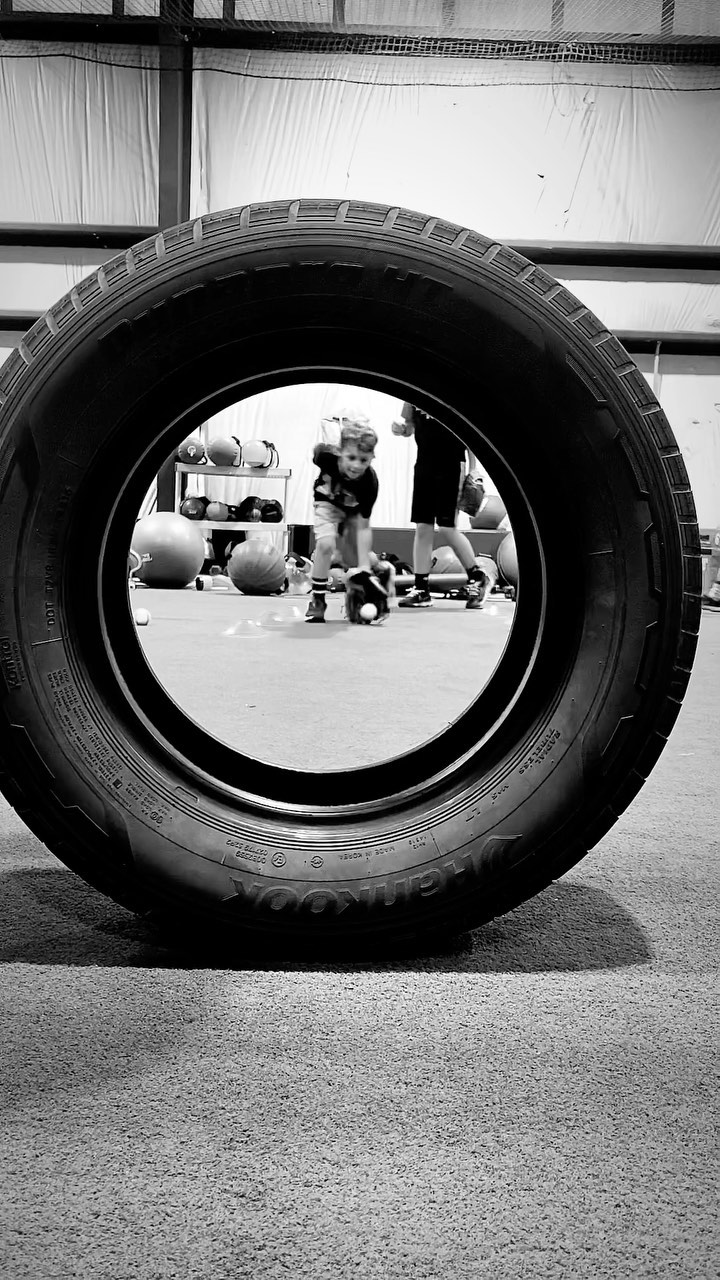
pixel 354 497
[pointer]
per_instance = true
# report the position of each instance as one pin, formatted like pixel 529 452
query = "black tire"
pixel 103 766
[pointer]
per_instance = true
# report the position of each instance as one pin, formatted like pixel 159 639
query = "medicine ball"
pixel 194 508
pixel 271 511
pixel 257 568
pixel 224 451
pixel 250 508
pixel 192 450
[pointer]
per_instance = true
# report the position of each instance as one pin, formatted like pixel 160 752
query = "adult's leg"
pixel 480 576
pixel 461 545
pixel 422 514
pixel 422 547
pixel 479 582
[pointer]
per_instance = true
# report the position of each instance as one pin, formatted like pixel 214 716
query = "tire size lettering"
pixel 540 752
pixel 85 738
pixel 243 852
pixel 368 854
pixel 11 663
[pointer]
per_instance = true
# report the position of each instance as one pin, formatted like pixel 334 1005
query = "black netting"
pixel 687 54
pixel 646 31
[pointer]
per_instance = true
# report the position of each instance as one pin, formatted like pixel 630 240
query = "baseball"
pixel 368 612
pixel 142 618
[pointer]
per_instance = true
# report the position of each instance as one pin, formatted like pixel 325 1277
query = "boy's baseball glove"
pixel 362 587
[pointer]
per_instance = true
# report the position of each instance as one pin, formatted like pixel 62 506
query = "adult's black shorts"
pixel 435 495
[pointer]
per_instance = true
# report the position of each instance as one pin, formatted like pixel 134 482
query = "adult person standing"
pixel 436 489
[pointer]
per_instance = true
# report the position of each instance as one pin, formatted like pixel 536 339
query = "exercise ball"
pixel 217 511
pixel 175 547
pixel 492 511
pixel 506 559
pixel 257 568
pixel 224 451
pixel 444 560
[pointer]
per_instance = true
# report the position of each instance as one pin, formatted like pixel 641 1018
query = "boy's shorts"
pixel 328 521
pixel 435 495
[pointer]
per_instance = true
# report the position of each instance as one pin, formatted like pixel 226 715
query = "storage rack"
pixel 258 473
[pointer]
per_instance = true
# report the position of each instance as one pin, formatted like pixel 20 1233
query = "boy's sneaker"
pixel 316 611
pixel 710 602
pixel 415 599
pixel 477 589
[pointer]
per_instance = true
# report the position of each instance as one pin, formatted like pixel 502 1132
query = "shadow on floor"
pixel 51 917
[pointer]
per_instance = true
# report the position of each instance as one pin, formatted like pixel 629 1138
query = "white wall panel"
pixel 514 150
pixel 80 137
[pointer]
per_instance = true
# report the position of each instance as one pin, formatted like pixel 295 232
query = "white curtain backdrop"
pixel 516 150
pixel 80 135
pixel 79 145
pixel 525 151
pixel 689 392
pixel 294 419
pixel 34 286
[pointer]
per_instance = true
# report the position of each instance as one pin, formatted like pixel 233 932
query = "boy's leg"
pixel 326 525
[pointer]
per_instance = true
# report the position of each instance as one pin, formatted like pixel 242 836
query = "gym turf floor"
pixel 251 671
pixel 537 1101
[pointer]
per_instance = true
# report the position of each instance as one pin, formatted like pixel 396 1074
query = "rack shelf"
pixel 209 470
pixel 246 525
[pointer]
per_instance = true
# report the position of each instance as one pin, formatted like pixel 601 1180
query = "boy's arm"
pixel 364 542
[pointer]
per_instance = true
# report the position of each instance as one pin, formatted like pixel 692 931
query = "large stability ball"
pixel 257 568
pixel 444 560
pixel 492 510
pixel 176 548
pixel 506 559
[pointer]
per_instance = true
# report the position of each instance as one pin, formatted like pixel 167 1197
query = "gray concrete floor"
pixel 253 673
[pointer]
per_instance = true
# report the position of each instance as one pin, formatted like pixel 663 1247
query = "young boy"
pixel 344 495
pixel 436 488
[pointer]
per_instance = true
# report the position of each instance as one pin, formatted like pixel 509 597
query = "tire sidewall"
pixel 568 727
